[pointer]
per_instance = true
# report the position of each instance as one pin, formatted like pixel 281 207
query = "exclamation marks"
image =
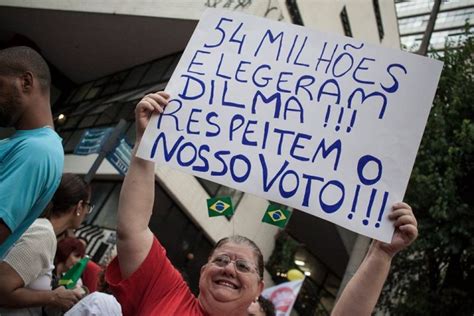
pixel 369 207
pixel 339 120
pixel 372 200
pixel 382 209
pixel 354 202
pixel 351 124
pixel 328 113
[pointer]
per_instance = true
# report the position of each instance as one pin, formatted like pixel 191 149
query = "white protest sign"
pixel 319 122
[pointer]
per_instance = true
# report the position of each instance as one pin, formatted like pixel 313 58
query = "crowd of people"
pixel 38 204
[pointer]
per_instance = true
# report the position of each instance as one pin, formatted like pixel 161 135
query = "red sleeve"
pixel 148 285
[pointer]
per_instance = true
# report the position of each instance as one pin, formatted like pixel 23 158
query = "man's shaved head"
pixel 20 59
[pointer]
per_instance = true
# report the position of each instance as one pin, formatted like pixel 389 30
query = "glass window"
pixel 157 70
pixel 82 92
pixel 100 193
pixel 104 119
pixel 107 215
pixel 210 187
pixel 65 136
pixel 93 92
pixel 332 284
pixel 71 122
pixel 101 108
pixel 111 88
pixel 71 96
pixel 101 81
pixel 131 133
pixel 327 300
pixel 73 141
pixel 127 111
pixel 170 70
pixel 134 77
pixel 88 121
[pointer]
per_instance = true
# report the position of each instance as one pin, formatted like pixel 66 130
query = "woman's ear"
pixel 261 286
pixel 78 208
pixel 203 267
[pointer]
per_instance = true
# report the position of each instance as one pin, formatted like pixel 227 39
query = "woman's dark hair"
pixel 67 246
pixel 241 240
pixel 71 190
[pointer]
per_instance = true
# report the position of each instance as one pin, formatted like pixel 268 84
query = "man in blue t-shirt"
pixel 31 161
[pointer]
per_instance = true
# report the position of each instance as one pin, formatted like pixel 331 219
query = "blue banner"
pixel 92 141
pixel 120 157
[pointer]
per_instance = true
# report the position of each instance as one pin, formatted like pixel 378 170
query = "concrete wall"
pixel 323 15
pixel 178 9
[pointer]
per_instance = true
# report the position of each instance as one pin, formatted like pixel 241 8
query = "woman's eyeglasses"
pixel 91 207
pixel 240 264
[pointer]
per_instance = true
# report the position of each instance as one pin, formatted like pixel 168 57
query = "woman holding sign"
pixel 146 283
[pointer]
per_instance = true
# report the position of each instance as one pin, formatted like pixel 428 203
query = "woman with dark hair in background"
pixel 26 271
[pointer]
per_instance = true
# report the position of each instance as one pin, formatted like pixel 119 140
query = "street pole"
pixel 423 50
pixel 109 145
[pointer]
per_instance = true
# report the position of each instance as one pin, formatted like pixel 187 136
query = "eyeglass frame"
pixel 252 268
pixel 90 205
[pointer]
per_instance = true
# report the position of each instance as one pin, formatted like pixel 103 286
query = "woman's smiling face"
pixel 223 286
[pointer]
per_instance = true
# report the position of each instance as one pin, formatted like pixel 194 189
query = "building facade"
pixel 413 17
pixel 106 55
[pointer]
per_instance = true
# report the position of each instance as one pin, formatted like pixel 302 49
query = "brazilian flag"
pixel 71 277
pixel 277 215
pixel 220 206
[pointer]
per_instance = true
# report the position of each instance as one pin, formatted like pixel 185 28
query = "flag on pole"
pixel 220 206
pixel 283 296
pixel 277 215
pixel 70 278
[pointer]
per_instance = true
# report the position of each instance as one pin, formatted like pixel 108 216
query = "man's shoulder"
pixel 43 137
pixel 43 144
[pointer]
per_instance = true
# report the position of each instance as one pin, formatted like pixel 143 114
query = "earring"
pixel 78 214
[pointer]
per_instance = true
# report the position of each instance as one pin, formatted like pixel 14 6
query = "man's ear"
pixel 27 81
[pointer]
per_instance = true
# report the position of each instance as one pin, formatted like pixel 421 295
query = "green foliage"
pixel 435 276
pixel 282 257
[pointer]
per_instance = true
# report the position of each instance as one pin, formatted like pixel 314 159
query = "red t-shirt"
pixel 90 276
pixel 156 288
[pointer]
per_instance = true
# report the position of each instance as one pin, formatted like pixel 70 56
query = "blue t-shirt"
pixel 31 166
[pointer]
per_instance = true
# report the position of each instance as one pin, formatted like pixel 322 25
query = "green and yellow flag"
pixel 277 215
pixel 71 277
pixel 220 206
